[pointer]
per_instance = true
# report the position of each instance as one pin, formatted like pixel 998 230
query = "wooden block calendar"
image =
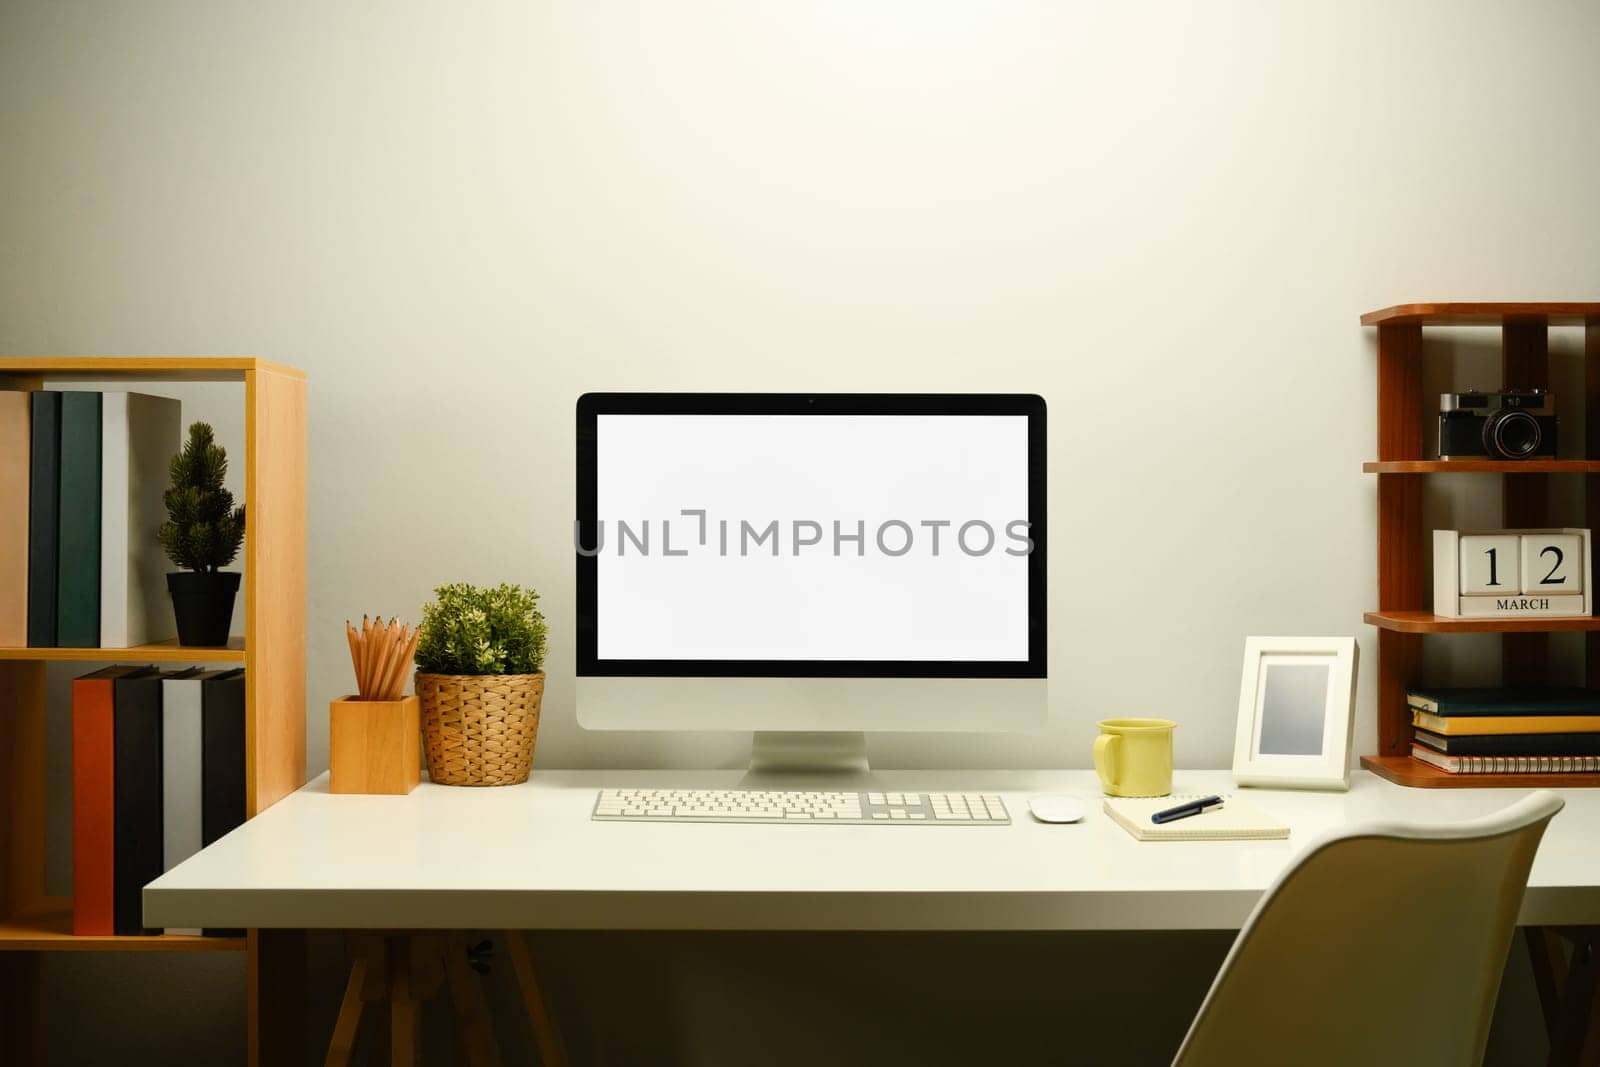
pixel 1512 573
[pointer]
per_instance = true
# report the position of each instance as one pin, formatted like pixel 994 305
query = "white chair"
pixel 1382 944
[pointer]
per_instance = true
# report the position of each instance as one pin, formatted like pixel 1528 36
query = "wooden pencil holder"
pixel 374 746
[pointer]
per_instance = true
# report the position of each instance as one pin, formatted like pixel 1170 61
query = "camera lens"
pixel 1512 435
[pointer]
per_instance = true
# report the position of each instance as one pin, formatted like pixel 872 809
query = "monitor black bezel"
pixel 592 405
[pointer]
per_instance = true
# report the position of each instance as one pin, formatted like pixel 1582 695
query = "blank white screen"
pixel 814 605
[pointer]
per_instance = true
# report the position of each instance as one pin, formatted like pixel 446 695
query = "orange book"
pixel 16 421
pixel 93 805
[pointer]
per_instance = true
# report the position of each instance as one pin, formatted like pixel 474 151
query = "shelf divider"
pixel 1426 622
pixel 160 652
pixel 1482 466
pixel 1553 312
pixel 52 931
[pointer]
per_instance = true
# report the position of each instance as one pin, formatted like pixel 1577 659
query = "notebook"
pixel 1479 725
pixel 1239 820
pixel 1506 764
pixel 1504 701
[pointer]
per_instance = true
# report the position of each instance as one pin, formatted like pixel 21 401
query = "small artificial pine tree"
pixel 203 530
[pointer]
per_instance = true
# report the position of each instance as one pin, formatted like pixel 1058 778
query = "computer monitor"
pixel 804 564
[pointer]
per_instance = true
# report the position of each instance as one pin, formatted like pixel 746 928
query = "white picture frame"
pixel 1296 712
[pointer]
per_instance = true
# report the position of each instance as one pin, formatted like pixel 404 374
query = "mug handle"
pixel 1106 748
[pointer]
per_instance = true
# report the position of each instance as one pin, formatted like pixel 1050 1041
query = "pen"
pixel 1183 811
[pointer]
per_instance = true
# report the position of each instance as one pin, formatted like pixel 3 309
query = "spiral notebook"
pixel 1237 820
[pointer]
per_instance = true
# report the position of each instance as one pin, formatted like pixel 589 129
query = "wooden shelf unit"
pixel 272 650
pixel 1403 618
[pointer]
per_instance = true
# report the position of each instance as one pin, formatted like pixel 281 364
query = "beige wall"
pixel 1164 217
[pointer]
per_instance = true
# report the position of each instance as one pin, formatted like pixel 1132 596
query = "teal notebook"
pixel 78 536
pixel 1500 701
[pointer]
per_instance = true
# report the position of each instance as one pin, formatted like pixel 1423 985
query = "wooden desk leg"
pixel 348 1025
pixel 408 969
pixel 545 1034
pixel 21 1009
pixel 402 1005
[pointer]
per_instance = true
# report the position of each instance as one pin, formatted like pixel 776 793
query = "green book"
pixel 78 538
pixel 1505 701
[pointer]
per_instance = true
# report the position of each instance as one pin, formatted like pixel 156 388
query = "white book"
pixel 139 435
pixel 180 771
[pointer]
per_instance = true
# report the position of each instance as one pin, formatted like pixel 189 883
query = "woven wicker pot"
pixel 479 729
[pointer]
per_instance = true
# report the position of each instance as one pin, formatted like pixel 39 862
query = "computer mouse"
pixel 1057 808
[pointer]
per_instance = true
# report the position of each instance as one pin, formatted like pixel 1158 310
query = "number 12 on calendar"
pixel 1511 573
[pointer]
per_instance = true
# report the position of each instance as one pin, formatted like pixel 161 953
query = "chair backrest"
pixel 1382 944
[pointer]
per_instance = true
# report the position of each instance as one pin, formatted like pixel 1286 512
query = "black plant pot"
pixel 203 603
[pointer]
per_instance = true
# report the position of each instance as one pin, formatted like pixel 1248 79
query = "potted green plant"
pixel 202 534
pixel 480 656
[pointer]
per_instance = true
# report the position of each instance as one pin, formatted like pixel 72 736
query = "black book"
pixel 136 789
pixel 78 539
pixel 1503 700
pixel 44 512
pixel 221 760
pixel 1512 744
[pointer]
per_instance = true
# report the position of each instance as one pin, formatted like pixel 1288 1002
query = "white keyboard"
pixel 823 808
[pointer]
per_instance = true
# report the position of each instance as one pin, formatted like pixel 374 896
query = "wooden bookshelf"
pixel 272 650
pixel 1402 616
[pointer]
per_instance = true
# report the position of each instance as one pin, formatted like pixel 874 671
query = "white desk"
pixel 529 857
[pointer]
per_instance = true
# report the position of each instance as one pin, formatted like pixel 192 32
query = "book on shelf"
pixel 1482 725
pixel 16 430
pixel 139 435
pixel 1506 764
pixel 1510 744
pixel 222 765
pixel 44 506
pixel 78 536
pixel 158 770
pixel 1505 701
pixel 94 761
pixel 181 753
pixel 137 789
pixel 93 469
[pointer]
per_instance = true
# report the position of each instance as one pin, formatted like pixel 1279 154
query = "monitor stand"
pixel 794 759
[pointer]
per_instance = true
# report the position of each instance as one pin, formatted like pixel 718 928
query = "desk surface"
pixel 529 857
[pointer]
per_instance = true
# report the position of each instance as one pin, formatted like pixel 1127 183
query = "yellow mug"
pixel 1134 757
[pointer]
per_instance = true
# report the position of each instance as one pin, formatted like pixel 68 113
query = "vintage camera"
pixel 1517 424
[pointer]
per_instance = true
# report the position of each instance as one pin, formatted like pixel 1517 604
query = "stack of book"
pixel 81 482
pixel 1506 731
pixel 157 774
